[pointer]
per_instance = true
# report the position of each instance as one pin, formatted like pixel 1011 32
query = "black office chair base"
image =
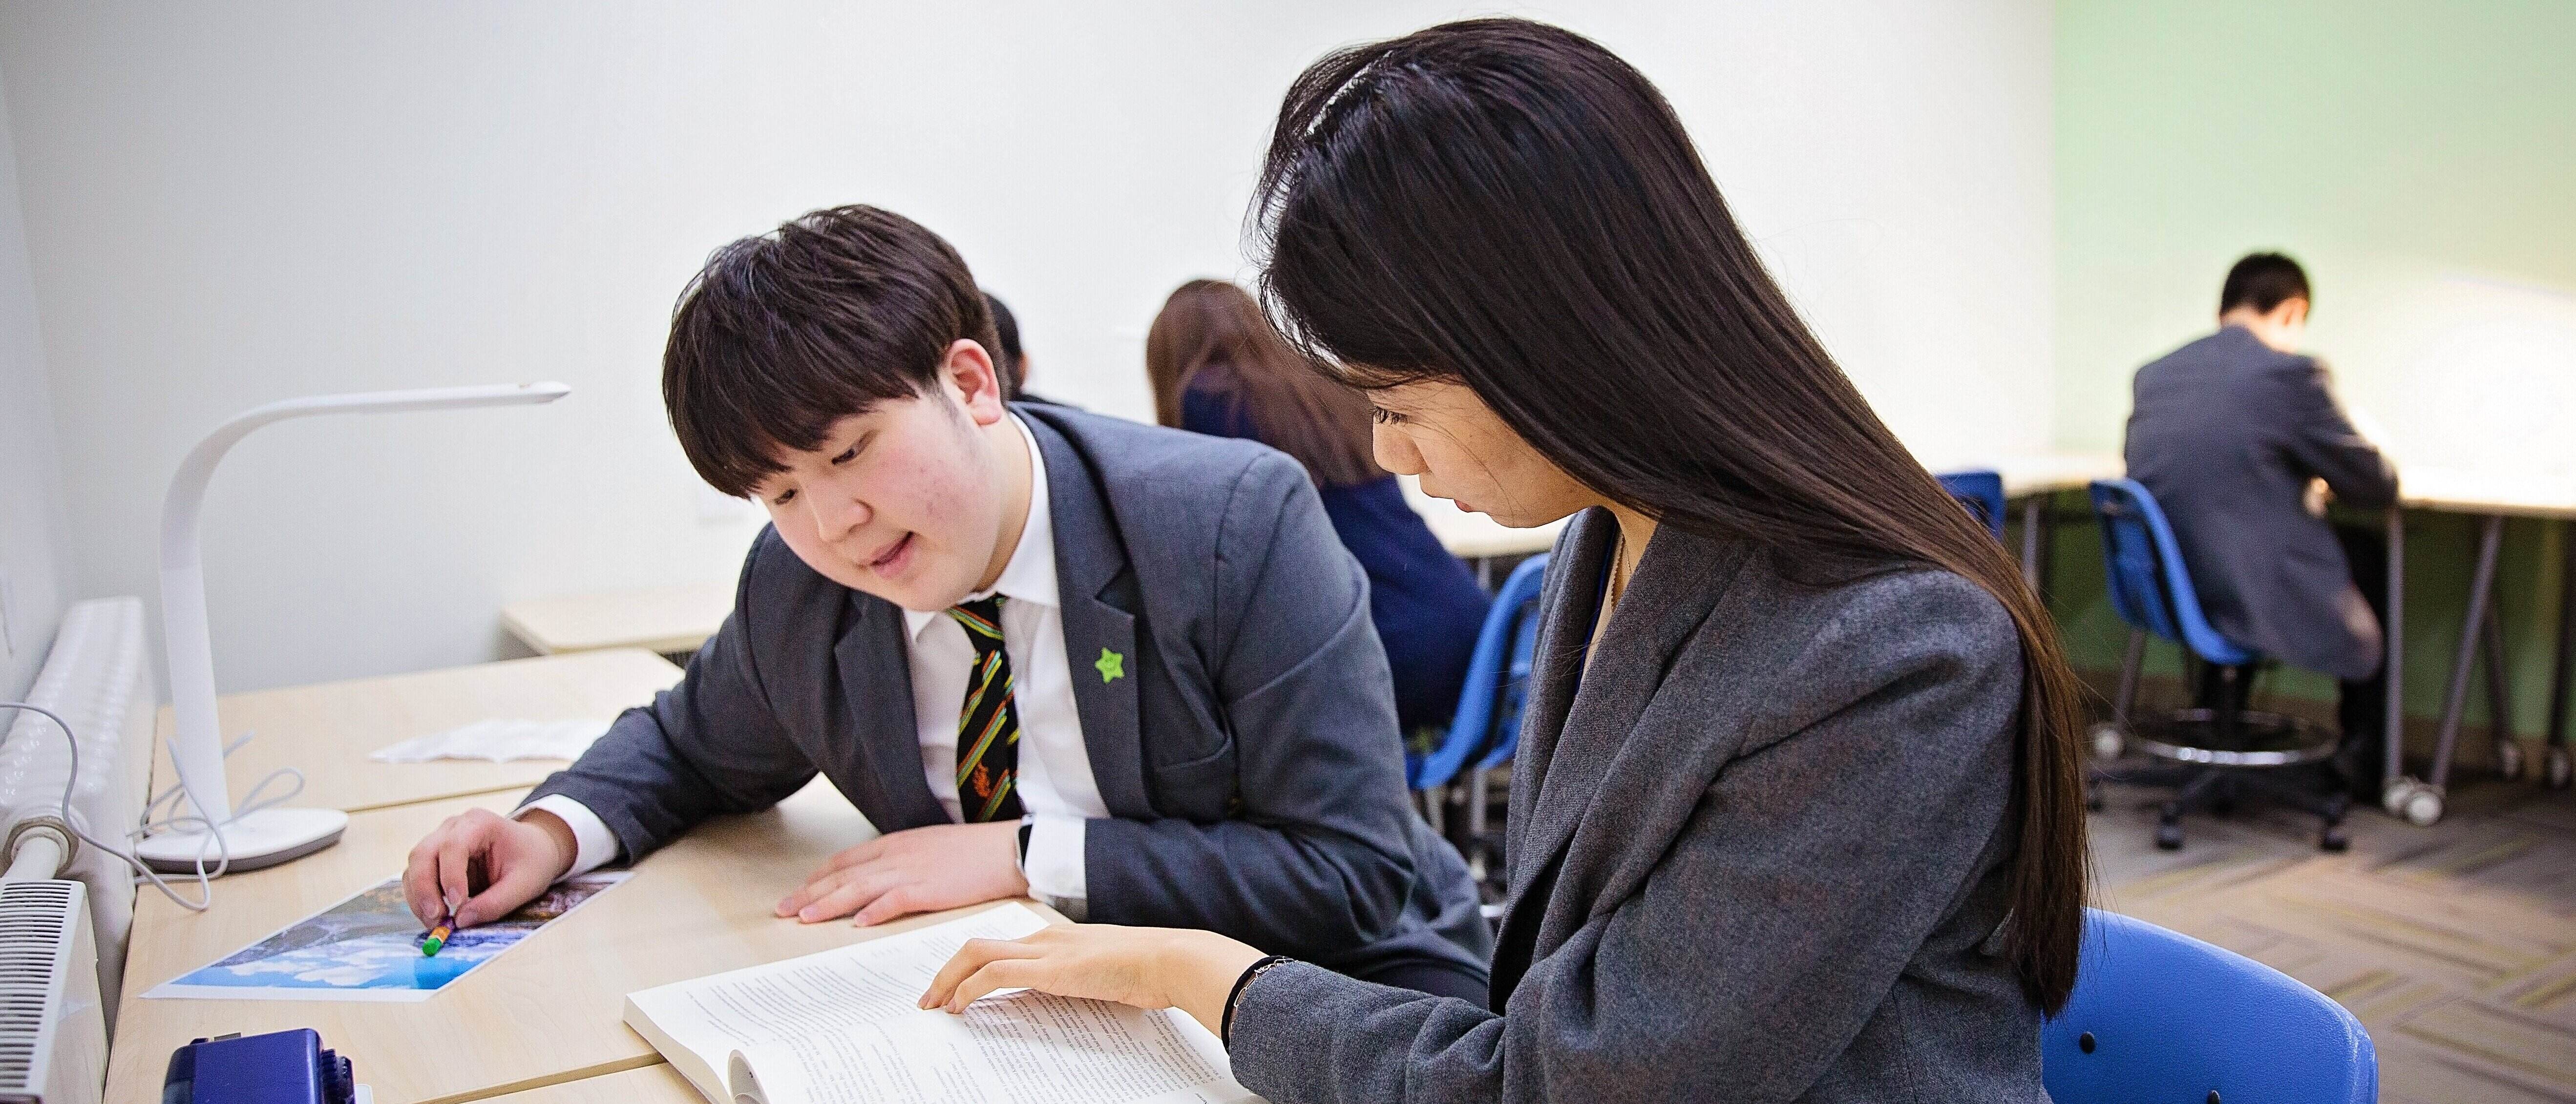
pixel 2249 738
pixel 2221 750
pixel 2220 790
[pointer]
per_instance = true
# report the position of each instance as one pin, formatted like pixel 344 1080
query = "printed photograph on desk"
pixel 368 948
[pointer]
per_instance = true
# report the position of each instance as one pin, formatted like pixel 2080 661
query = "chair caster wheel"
pixel 2509 759
pixel 2412 801
pixel 2168 837
pixel 2559 770
pixel 2334 842
pixel 2107 741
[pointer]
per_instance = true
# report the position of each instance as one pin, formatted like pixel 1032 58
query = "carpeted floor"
pixel 2455 944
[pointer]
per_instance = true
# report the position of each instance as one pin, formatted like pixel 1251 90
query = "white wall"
pixel 231 205
pixel 35 548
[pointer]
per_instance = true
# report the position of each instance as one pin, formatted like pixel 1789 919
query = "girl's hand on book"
pixel 1193 971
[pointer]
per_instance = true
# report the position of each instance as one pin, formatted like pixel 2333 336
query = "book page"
pixel 841 1028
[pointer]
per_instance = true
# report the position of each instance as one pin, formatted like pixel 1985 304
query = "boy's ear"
pixel 968 370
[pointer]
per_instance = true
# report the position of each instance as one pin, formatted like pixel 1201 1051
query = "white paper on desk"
pixel 497 742
pixel 367 948
pixel 841 1027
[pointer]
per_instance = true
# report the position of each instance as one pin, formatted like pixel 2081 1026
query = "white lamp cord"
pixel 251 803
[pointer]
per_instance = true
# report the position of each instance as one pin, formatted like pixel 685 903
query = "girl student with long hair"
pixel 1218 368
pixel 1797 813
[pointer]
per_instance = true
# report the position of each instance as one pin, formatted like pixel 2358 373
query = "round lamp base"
pixel 264 838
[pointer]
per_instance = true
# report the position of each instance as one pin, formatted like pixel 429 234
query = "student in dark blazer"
pixel 1218 368
pixel 2228 433
pixel 1798 809
pixel 1124 669
pixel 1010 359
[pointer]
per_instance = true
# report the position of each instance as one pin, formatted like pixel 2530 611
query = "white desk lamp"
pixel 262 837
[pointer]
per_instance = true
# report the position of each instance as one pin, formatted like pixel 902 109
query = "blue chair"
pixel 1982 492
pixel 1487 727
pixel 2223 748
pixel 1516 675
pixel 2160 1016
pixel 1484 707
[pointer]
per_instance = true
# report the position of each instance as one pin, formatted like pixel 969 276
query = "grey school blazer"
pixel 1247 747
pixel 2226 432
pixel 1758 850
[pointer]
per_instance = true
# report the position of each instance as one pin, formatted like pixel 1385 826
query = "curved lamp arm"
pixel 197 747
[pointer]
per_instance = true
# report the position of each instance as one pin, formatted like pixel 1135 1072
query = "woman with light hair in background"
pixel 1218 368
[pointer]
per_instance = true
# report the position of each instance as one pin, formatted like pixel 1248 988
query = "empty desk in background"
pixel 2032 479
pixel 677 619
pixel 327 730
pixel 2029 478
pixel 547 1012
pixel 669 620
pixel 1476 538
pixel 2492 496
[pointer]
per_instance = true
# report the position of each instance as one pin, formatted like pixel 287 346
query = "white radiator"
pixel 53 1031
pixel 98 677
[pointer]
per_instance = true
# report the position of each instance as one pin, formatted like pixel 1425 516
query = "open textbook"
pixel 842 1027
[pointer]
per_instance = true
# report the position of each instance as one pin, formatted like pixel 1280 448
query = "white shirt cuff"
pixel 1053 865
pixel 594 846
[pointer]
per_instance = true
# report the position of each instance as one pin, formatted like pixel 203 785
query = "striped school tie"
pixel 988 726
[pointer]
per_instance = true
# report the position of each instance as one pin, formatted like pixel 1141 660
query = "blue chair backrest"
pixel 1982 492
pixel 2170 1018
pixel 1507 729
pixel 2149 585
pixel 1483 704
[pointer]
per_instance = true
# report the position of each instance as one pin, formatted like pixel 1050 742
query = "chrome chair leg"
pixel 1476 795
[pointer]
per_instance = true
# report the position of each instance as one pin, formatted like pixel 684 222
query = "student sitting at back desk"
pixel 1010 360
pixel 2228 432
pixel 1119 668
pixel 1218 368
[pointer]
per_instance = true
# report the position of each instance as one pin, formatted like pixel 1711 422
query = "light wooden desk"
pixel 327 730
pixel 545 1013
pixel 1476 538
pixel 2493 496
pixel 2045 473
pixel 656 619
pixel 2033 478
pixel 680 618
pixel 651 1085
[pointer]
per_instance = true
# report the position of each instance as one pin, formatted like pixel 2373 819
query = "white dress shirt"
pixel 1056 787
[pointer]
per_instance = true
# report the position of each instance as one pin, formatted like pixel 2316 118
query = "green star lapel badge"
pixel 1112 665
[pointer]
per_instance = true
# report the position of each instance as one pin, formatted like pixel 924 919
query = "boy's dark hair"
pixel 1006 356
pixel 2264 281
pixel 782 334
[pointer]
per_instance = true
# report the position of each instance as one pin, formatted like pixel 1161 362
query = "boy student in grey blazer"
pixel 2229 432
pixel 1798 812
pixel 1120 668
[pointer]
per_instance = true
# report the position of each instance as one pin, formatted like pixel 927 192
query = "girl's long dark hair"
pixel 1509 205
pixel 1211 337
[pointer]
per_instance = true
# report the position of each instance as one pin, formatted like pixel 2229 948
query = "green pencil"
pixel 438 937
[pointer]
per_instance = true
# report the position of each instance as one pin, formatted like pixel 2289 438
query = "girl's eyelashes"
pixel 1384 416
